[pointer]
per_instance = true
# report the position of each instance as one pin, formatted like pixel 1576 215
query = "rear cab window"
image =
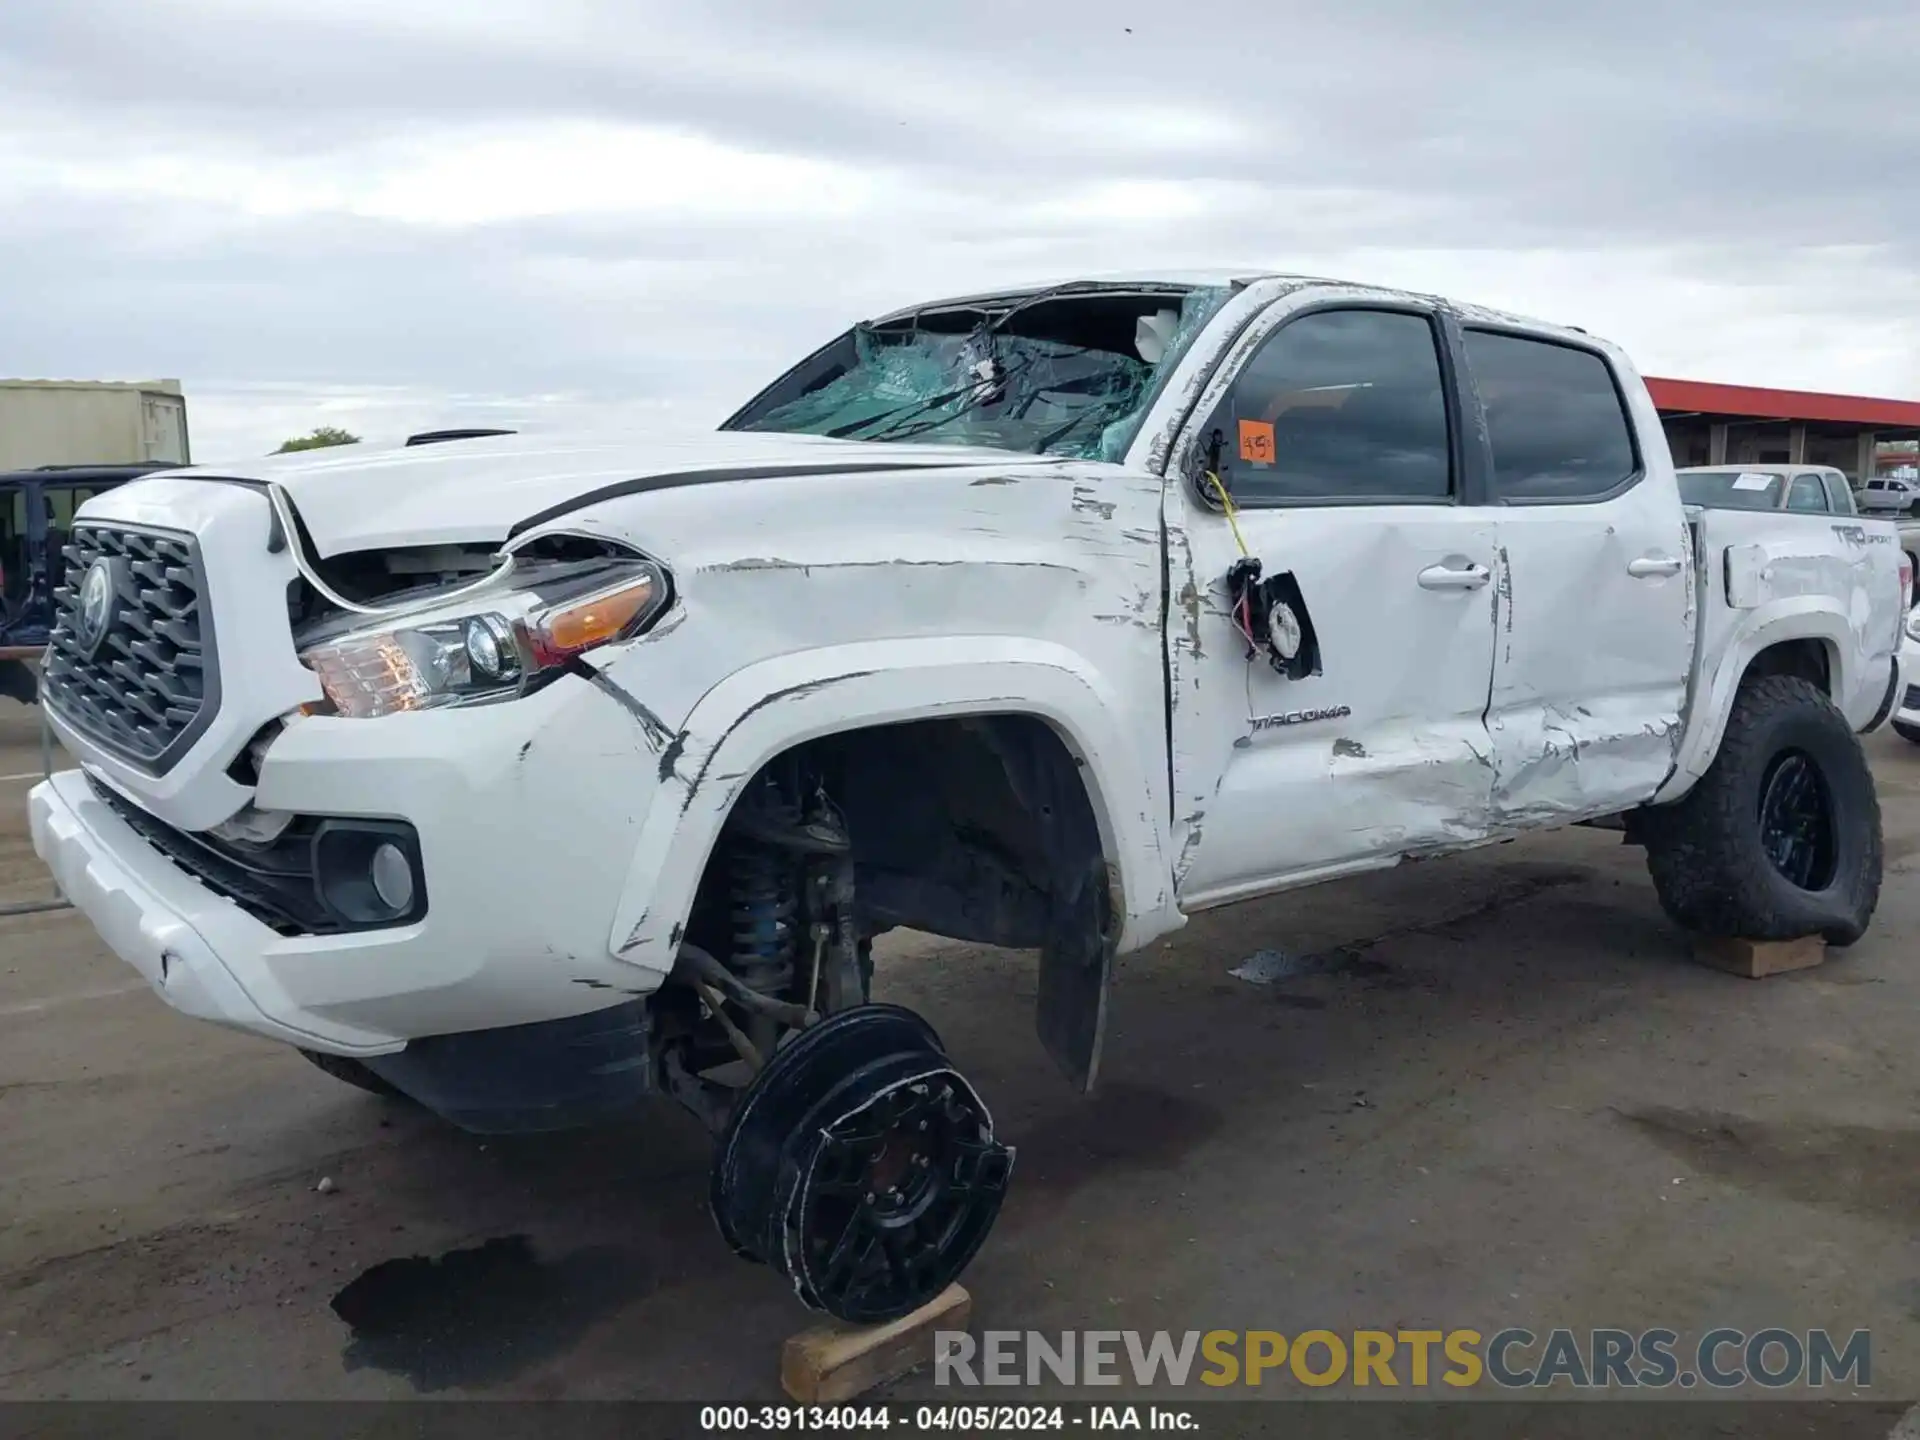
pixel 1807 494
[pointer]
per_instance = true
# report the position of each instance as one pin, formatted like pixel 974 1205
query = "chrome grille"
pixel 142 684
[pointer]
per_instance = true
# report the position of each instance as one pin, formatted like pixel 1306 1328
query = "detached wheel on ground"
pixel 354 1074
pixel 861 1166
pixel 1781 837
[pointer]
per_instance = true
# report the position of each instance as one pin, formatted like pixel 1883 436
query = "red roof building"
pixel 1714 424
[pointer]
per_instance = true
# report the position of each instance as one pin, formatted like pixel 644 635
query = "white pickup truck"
pixel 532 779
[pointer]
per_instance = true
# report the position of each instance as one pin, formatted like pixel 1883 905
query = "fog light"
pixel 368 872
pixel 392 878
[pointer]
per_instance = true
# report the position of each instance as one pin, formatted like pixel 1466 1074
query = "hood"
pixel 480 491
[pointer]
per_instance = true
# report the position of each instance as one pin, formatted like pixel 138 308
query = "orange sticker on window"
pixel 1256 441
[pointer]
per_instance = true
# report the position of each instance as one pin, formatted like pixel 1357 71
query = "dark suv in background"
pixel 36 512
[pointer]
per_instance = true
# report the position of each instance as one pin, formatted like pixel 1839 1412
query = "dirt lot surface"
pixel 1499 1094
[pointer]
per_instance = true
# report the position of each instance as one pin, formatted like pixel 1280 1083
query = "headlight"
pixel 438 660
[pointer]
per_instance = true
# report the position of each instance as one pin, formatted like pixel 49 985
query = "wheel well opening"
pixel 1804 659
pixel 973 828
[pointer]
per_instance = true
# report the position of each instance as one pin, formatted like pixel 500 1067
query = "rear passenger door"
pixel 1594 622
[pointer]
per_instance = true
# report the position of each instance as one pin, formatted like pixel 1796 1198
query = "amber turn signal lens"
pixel 595 621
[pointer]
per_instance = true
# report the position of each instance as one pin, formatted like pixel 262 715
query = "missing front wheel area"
pixel 852 1157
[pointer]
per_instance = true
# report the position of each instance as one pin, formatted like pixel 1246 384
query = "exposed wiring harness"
pixel 1242 610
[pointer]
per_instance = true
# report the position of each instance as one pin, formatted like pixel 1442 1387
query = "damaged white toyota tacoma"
pixel 533 779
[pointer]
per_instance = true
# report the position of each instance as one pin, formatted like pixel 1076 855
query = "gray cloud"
pixel 1723 183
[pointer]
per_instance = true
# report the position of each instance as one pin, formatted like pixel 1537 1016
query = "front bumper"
pixel 527 814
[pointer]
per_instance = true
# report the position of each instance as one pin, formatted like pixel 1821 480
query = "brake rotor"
pixel 861 1165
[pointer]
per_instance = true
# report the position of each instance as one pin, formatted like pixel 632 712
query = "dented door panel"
pixel 1382 753
pixel 1594 617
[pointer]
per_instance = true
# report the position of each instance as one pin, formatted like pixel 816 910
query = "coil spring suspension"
pixel 761 910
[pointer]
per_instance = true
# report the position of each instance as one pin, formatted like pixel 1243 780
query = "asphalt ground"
pixel 1491 1090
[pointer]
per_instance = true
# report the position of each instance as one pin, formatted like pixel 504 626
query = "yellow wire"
pixel 1233 516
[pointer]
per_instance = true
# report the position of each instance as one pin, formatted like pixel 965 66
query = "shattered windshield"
pixel 1059 373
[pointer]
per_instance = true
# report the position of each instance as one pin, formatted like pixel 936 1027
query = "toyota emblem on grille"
pixel 95 617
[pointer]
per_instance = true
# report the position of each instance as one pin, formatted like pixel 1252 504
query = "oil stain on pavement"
pixel 473 1318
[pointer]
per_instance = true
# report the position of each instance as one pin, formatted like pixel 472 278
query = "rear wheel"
pixel 1909 733
pixel 1781 837
pixel 354 1074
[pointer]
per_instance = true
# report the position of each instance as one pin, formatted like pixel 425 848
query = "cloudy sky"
pixel 389 214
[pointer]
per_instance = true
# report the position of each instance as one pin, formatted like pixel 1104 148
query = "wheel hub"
pixel 862 1166
pixel 1796 822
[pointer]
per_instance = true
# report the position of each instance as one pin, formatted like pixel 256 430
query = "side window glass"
pixel 1807 494
pixel 1341 406
pixel 14 567
pixel 1554 418
pixel 62 501
pixel 1839 497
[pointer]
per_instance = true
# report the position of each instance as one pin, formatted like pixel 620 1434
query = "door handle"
pixel 1447 577
pixel 1650 566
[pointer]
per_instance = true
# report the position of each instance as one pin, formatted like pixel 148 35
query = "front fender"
pixel 766 708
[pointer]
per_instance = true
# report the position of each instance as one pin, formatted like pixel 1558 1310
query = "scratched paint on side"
pixel 1563 765
pixel 1384 751
pixel 1596 644
pixel 1837 584
pixel 1064 557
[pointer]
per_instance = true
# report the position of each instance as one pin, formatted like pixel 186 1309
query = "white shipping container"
pixel 91 422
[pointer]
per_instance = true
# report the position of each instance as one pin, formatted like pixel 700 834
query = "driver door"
pixel 1341 448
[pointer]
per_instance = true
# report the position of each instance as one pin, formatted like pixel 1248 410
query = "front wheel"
pixel 1909 733
pixel 1781 837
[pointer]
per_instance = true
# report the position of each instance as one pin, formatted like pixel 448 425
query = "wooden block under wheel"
pixel 836 1362
pixel 1756 959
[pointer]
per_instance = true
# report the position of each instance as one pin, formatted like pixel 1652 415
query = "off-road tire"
pixel 354 1074
pixel 1704 851
pixel 1909 733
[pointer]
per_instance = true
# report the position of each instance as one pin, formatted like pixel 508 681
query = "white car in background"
pixel 1906 713
pixel 1889 493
